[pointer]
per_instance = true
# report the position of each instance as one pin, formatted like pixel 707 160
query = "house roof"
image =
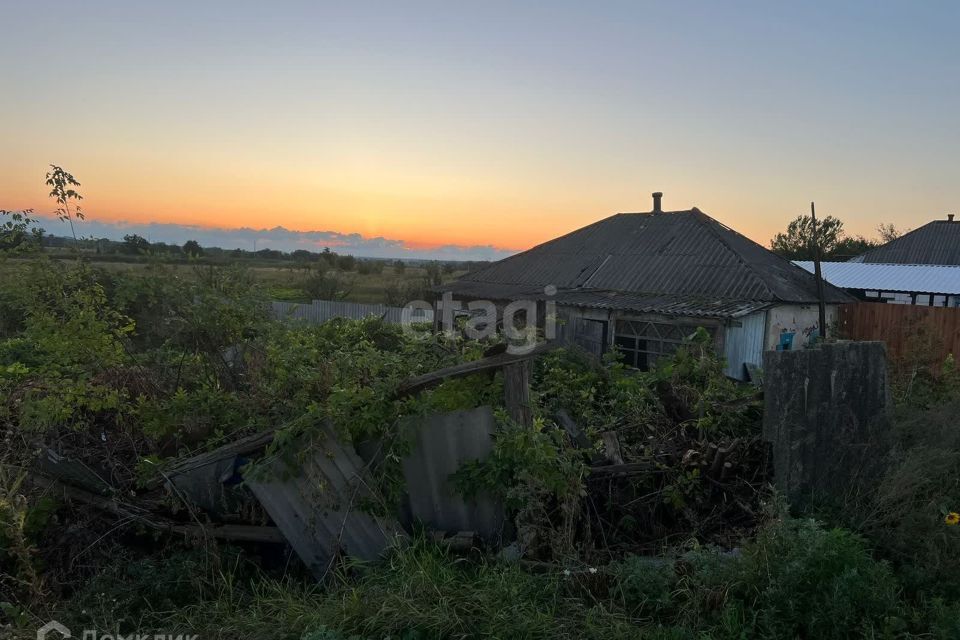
pixel 686 259
pixel 909 278
pixel 936 242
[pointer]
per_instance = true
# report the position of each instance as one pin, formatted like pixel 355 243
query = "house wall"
pixel 743 344
pixel 567 325
pixel 802 320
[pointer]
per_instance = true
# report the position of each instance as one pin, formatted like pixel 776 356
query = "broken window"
pixel 641 342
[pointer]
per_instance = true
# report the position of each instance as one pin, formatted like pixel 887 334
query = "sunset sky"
pixel 485 124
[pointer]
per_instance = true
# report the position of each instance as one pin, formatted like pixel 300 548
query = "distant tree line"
pixel 136 245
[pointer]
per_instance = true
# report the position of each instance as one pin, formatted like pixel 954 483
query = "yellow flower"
pixel 952 518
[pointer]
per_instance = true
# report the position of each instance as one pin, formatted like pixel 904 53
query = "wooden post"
pixel 818 274
pixel 516 392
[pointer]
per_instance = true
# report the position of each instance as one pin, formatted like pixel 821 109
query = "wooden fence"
pixel 911 332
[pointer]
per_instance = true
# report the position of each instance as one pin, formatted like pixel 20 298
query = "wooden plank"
pixel 419 383
pixel 516 392
pixel 239 447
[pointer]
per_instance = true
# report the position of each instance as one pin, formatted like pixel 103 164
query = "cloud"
pixel 275 238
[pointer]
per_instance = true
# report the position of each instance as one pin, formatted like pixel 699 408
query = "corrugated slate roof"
pixel 686 256
pixel 685 306
pixel 936 242
pixel 911 278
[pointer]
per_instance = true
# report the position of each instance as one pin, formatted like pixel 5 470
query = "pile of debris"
pixel 317 504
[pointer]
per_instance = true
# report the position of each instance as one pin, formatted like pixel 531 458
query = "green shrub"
pixel 902 512
pixel 646 585
pixel 798 579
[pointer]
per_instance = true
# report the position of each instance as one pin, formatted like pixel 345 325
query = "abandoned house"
pixel 937 242
pixel 645 281
pixel 928 285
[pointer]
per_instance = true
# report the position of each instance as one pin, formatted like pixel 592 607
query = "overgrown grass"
pixel 797 579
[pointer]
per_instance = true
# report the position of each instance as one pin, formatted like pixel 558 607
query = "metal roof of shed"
pixel 912 278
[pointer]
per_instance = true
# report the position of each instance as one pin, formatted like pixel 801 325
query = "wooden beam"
pixel 516 392
pixel 627 469
pixel 240 447
pixel 135 513
pixel 419 383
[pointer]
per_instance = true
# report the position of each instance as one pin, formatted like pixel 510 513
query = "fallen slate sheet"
pixel 317 507
pixel 442 443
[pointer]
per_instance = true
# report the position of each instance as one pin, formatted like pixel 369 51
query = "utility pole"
pixel 818 273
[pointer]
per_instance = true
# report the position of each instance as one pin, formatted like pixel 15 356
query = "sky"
pixel 478 129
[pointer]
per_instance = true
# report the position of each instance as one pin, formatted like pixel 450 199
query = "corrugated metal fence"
pixel 319 311
pixel 908 330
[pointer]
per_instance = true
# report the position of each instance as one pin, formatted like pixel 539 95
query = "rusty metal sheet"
pixel 318 507
pixel 442 443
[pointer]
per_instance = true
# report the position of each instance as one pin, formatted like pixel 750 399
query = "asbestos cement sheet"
pixel 317 506
pixel 442 444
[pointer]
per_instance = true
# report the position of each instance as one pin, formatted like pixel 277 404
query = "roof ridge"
pixel 708 222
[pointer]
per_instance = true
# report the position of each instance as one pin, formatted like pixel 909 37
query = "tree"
pixel 849 247
pixel 192 248
pixel 795 244
pixel 19 232
pixel 434 276
pixel 398 293
pixel 346 263
pixel 321 286
pixel 302 255
pixel 135 244
pixel 62 183
pixel 888 232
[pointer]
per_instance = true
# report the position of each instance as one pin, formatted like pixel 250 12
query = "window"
pixel 641 342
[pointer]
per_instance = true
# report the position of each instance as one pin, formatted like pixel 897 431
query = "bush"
pixel 646 585
pixel 903 513
pixel 797 579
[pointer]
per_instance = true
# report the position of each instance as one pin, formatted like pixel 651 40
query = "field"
pixel 287 280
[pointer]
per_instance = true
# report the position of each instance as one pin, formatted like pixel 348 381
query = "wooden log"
pixel 716 466
pixel 136 513
pixel 626 469
pixel 611 447
pixel 516 392
pixel 725 471
pixel 419 383
pixel 711 453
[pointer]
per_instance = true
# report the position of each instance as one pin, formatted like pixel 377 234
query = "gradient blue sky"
pixel 491 124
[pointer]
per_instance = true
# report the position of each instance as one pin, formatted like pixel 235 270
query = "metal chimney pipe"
pixel 950 217
pixel 657 196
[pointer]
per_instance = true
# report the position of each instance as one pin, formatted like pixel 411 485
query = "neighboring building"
pixel 920 284
pixel 644 281
pixel 936 242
